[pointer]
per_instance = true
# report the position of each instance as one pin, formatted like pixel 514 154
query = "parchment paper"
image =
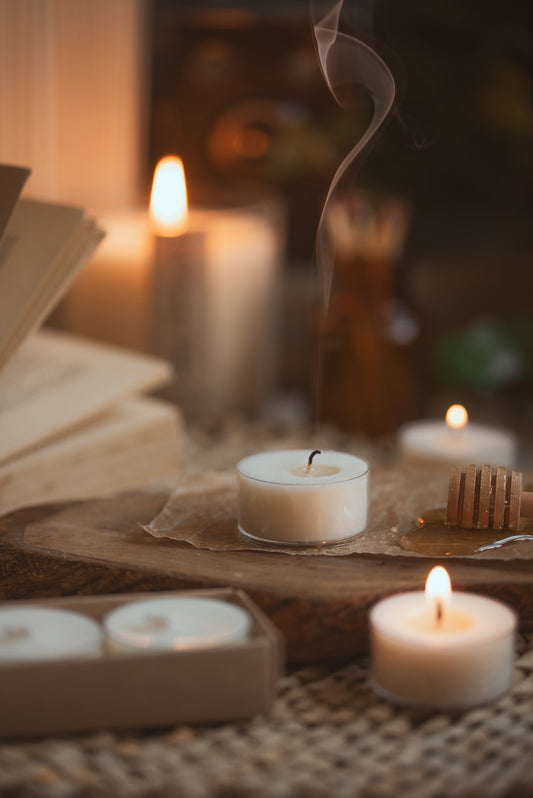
pixel 203 512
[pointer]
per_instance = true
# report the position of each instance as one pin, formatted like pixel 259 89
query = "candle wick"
pixel 438 611
pixel 310 461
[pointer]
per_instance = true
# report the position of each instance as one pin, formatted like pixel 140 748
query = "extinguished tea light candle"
pixel 39 633
pixel 441 649
pixel 175 624
pixel 293 498
pixel 457 441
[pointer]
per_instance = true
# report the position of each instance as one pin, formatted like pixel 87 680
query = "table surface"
pixel 328 735
pixel 320 604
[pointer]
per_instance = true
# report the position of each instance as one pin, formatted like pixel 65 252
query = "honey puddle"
pixel 430 535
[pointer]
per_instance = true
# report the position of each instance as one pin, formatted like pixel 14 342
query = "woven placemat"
pixel 329 735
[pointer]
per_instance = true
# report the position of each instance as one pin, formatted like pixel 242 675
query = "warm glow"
pixel 438 585
pixel 168 201
pixel 438 591
pixel 456 417
pixel 251 144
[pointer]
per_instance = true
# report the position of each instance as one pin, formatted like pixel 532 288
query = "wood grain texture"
pixel 320 604
pixel 481 498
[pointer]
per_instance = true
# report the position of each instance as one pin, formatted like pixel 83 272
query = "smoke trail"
pixel 347 61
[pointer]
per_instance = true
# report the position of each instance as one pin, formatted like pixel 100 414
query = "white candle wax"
pixel 175 624
pixel 39 633
pixel 243 256
pixel 110 299
pixel 434 441
pixel 281 500
pixel 464 660
pixel 216 293
pixel 216 276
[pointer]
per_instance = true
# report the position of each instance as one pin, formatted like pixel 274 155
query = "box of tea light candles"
pixel 135 661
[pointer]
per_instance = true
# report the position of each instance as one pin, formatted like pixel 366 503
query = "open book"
pixel 75 420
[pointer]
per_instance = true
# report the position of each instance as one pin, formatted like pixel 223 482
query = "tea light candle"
pixel 39 633
pixel 457 441
pixel 291 497
pixel 177 624
pixel 441 650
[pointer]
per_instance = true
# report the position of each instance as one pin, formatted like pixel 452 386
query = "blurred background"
pixel 431 300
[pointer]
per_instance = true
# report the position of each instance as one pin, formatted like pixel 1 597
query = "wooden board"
pixel 320 604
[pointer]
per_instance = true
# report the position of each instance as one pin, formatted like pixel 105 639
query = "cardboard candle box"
pixel 142 689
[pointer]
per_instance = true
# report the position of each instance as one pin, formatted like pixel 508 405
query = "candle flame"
pixel 438 584
pixel 168 200
pixel 456 417
pixel 438 590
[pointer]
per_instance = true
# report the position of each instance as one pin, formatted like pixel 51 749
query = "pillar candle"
pixel 110 300
pixel 215 288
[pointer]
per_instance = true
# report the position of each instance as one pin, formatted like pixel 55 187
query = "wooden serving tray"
pixel 320 604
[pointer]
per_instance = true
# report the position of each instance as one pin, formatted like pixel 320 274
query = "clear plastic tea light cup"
pixel 287 498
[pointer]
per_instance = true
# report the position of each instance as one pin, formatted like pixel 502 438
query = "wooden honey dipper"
pixel 482 497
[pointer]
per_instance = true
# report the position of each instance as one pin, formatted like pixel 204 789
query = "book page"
pixel 12 179
pixel 138 443
pixel 43 247
pixel 57 381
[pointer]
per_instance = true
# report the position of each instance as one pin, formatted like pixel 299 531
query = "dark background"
pixel 458 147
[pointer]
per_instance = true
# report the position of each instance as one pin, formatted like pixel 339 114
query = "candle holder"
pixel 289 498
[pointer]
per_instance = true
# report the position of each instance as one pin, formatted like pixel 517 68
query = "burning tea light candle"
pixel 457 441
pixel 291 497
pixel 38 633
pixel 177 624
pixel 441 649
